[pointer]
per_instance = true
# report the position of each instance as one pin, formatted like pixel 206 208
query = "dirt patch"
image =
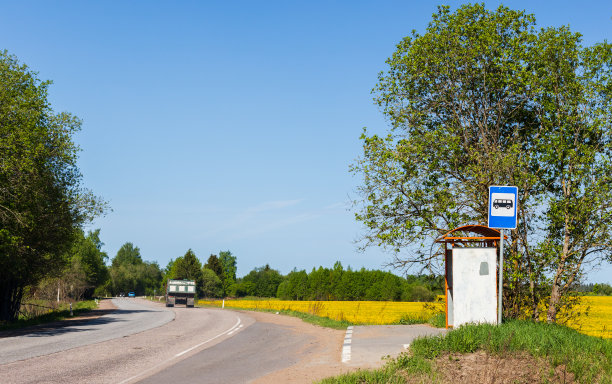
pixel 321 359
pixel 483 368
pixel 105 306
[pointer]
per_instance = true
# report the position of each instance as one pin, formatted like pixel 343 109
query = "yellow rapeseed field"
pixel 357 312
pixel 598 321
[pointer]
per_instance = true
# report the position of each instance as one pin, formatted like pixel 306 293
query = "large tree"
pixel 42 200
pixel 484 99
pixel 130 273
pixel 228 262
pixel 214 264
pixel 187 267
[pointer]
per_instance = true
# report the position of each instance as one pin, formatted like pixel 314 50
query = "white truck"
pixel 179 292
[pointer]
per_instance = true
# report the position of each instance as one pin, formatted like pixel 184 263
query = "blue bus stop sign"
pixel 502 207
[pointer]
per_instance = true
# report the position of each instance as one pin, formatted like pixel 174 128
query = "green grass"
pixel 438 320
pixel 61 313
pixel 588 358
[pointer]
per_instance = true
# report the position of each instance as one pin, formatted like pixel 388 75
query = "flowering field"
pixel 357 312
pixel 598 321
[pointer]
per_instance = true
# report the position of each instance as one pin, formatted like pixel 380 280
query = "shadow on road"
pixel 93 317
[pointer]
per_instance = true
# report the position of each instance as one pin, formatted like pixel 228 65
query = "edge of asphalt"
pixel 109 307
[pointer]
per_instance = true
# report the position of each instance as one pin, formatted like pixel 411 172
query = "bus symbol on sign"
pixel 504 203
pixel 502 207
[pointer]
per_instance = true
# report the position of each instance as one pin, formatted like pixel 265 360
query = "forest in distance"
pixel 87 275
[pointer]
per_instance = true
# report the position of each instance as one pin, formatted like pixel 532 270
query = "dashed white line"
pixel 346 347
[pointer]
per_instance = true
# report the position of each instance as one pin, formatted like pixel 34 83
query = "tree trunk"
pixel 555 297
pixel 10 299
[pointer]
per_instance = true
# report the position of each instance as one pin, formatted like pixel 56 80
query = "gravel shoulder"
pixel 319 359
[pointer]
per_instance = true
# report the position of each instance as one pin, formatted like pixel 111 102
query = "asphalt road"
pixel 145 342
pixel 130 317
pixel 137 340
pixel 260 349
pixel 368 345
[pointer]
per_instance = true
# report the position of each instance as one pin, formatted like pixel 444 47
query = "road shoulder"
pixel 318 360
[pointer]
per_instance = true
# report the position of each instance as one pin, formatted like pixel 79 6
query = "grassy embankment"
pixel 567 354
pixel 50 314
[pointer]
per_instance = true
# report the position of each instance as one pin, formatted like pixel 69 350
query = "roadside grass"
pixel 438 320
pixel 588 358
pixel 62 312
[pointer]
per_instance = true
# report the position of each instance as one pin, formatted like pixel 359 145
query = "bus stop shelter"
pixel 471 270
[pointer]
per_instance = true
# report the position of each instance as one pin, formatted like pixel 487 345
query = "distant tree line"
pixel 595 289
pixel 339 284
pixel 87 275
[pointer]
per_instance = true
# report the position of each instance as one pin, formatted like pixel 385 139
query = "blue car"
pixel 131 294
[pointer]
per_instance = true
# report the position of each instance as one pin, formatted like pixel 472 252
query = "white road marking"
pixel 209 340
pixel 346 347
pixel 406 346
pixel 236 330
pixel 229 331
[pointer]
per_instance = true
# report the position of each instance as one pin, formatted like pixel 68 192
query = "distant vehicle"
pixel 179 292
pixel 131 294
pixel 121 294
pixel 502 203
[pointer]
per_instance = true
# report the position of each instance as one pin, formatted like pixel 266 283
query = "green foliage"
pixel 187 267
pixel 371 285
pixel 85 272
pixel 129 273
pixel 501 104
pixel 260 282
pixel 600 289
pixel 211 284
pixel 127 255
pixel 228 263
pixel 215 265
pixel 41 197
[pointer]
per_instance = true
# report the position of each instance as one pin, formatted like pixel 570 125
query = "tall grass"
pixel 588 358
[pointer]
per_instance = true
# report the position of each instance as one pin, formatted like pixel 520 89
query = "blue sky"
pixel 231 125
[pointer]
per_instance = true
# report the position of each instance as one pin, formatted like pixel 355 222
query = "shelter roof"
pixel 485 233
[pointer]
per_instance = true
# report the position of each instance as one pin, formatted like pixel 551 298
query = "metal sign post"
pixel 502 215
pixel 501 276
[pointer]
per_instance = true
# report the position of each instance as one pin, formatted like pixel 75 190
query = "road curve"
pixel 127 358
pixel 130 317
